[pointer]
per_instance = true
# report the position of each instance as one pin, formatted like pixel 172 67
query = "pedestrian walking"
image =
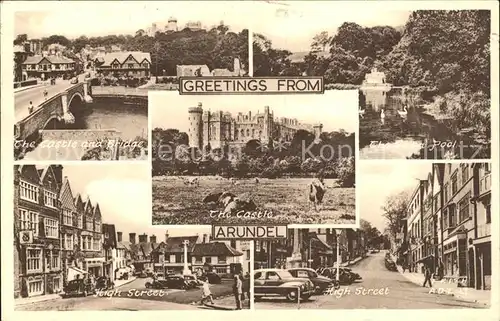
pixel 45 94
pixel 247 283
pixel 206 294
pixel 237 290
pixel 428 275
pixel 31 108
pixel 403 265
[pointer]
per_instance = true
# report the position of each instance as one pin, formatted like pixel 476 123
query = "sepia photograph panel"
pixel 83 95
pixel 254 159
pixel 77 247
pixel 423 76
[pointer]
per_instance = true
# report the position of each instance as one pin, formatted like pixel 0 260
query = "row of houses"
pixel 312 248
pixel 448 224
pixel 59 235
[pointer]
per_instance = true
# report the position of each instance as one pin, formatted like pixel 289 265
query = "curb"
pixel 124 283
pixel 38 301
pixel 26 88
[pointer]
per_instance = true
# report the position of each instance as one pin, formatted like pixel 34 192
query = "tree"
pixel 20 39
pixel 320 42
pixel 395 211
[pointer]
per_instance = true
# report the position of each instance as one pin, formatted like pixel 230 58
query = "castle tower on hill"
pixel 172 24
pixel 220 128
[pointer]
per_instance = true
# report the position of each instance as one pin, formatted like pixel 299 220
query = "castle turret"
pixel 268 121
pixel 318 129
pixel 196 126
pixel 172 24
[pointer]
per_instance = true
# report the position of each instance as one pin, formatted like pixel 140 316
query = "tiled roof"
pixel 66 195
pixel 121 57
pixel 215 249
pixel 33 60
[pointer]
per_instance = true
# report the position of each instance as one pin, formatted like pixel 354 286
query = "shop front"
pixel 455 258
pixel 94 266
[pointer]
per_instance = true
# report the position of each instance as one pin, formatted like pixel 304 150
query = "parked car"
pixel 211 277
pixel 192 281
pixel 171 282
pixel 156 284
pixel 79 287
pixel 345 277
pixel 277 282
pixel 356 275
pixel 321 283
pixel 104 283
pixel 390 265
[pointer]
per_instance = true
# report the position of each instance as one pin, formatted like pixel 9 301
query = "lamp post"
pixel 186 270
pixel 337 231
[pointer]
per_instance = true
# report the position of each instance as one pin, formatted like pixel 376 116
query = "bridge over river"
pixel 59 101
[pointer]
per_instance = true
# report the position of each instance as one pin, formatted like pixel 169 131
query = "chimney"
pixel 131 238
pixel 152 239
pixel 119 236
pixel 143 238
pixel 250 115
pixel 166 235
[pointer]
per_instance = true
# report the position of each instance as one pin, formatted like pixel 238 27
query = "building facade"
pixel 37 250
pixel 217 129
pixel 91 239
pixel 124 64
pixel 50 66
pixel 456 215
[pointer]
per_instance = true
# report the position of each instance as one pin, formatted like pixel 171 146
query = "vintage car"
pixel 390 265
pixel 211 277
pixel 320 282
pixel 356 275
pixel 79 287
pixel 278 282
pixel 141 274
pixel 192 280
pixel 170 282
pixel 345 277
pixel 103 283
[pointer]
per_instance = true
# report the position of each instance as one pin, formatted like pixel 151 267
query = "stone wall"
pixel 79 134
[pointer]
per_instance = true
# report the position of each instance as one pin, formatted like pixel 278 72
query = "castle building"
pixel 171 25
pixel 216 129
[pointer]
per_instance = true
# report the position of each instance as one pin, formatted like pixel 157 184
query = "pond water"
pixel 130 120
pixel 388 131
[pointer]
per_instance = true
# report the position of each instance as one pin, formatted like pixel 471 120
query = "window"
pixel 52 260
pixel 96 244
pixel 198 259
pixel 487 167
pixel 130 66
pixel 33 260
pixel 49 199
pixel 247 254
pixel 302 274
pixel 57 284
pixel 436 202
pixel 445 193
pixel 68 241
pixel 29 221
pixel 465 173
pixel 97 227
pixel 464 208
pixel 29 191
pixel 145 65
pixel 272 276
pixel 208 259
pixel 51 228
pixel 452 215
pixel 454 186
pixel 89 225
pixel 67 218
pixel 80 221
pixel 35 287
pixel 221 259
pixel 115 66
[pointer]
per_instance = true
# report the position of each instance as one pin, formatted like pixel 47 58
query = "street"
pixel 35 95
pixel 134 296
pixel 379 289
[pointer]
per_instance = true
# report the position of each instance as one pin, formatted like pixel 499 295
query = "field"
pixel 177 203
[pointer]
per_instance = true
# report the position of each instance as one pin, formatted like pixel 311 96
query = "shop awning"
pixel 74 271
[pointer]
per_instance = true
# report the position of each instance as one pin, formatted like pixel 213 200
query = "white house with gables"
pixel 126 63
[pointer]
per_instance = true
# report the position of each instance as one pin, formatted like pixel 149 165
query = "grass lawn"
pixel 286 200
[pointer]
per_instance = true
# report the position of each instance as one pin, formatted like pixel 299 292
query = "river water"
pixel 386 131
pixel 130 120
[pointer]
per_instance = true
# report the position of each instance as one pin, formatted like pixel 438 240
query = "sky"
pixel 377 181
pixel 123 192
pixel 99 18
pixel 293 25
pixel 335 109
